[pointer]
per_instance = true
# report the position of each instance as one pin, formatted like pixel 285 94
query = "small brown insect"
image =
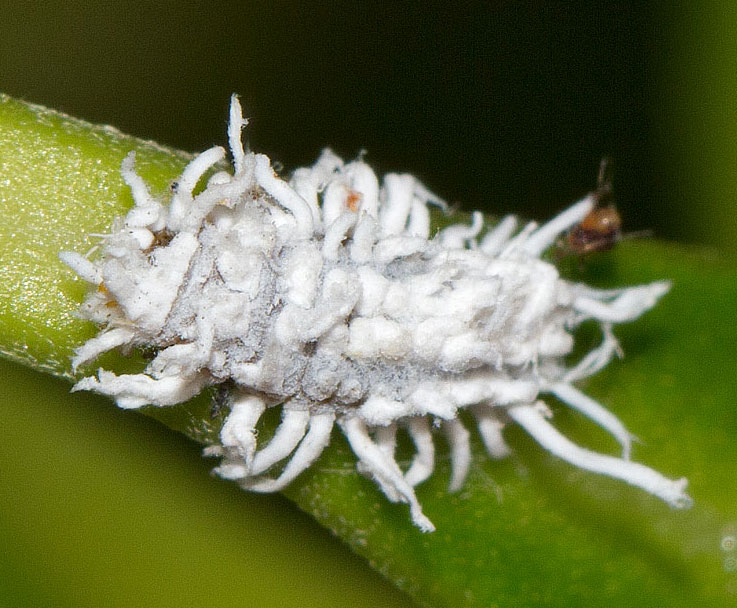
pixel 601 229
pixel 161 239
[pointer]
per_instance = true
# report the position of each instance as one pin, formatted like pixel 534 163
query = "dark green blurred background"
pixel 505 106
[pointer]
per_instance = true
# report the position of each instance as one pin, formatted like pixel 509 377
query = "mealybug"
pixel 327 295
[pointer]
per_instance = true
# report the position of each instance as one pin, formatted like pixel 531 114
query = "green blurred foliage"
pixel 100 507
pixel 697 89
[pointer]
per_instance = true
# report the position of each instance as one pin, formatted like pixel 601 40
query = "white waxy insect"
pixel 326 294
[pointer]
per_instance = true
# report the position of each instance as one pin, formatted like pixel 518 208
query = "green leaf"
pixel 529 530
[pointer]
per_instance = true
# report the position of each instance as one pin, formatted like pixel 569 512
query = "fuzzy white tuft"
pixel 327 295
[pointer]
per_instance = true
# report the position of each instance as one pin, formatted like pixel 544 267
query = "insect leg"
pixel 596 412
pixel 101 343
pixel 182 199
pixel 460 452
pixel 490 429
pixel 317 438
pixel 287 436
pixel 419 219
pixel 386 438
pixel 423 462
pixel 625 307
pixel 494 240
pixel 545 236
pixel 533 421
pixel 398 192
pixel 336 233
pixel 132 391
pixel 235 126
pixel 456 237
pixel 384 470
pixel 238 435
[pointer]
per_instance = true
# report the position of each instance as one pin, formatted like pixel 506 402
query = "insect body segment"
pixel 325 295
pixel 601 229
